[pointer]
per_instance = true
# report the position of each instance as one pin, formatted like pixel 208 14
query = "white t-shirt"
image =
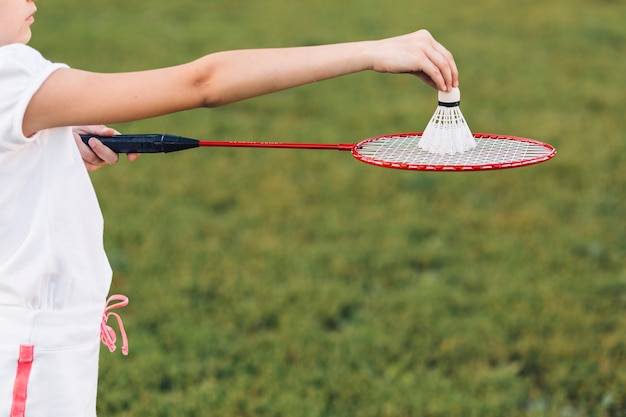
pixel 54 274
pixel 51 250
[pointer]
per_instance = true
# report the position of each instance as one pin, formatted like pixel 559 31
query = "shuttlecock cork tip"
pixel 450 98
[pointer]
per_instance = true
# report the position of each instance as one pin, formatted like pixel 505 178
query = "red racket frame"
pixel 459 167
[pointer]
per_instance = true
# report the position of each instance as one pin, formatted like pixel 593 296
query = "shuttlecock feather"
pixel 447 132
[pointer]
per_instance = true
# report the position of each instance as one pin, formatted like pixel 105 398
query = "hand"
pixel 97 155
pixel 420 54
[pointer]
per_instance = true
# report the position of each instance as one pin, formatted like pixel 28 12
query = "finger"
pixel 451 63
pixel 100 130
pixel 132 157
pixel 440 61
pixel 455 70
pixel 88 156
pixel 426 79
pixel 92 159
pixel 103 152
pixel 432 76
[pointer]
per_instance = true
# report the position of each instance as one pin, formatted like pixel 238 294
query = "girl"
pixel 54 274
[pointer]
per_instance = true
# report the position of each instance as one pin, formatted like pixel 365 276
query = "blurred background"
pixel 303 283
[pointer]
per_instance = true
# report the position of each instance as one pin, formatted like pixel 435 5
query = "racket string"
pixel 404 149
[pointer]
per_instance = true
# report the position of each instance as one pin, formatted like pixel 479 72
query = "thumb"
pixel 100 130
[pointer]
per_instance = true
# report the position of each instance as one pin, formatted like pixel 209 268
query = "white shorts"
pixel 49 362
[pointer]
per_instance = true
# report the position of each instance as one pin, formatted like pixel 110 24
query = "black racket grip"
pixel 145 143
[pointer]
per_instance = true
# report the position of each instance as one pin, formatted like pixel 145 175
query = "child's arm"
pixel 72 97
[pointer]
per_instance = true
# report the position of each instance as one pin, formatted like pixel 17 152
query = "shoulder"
pixel 20 55
pixel 18 49
pixel 22 72
pixel 22 66
pixel 20 59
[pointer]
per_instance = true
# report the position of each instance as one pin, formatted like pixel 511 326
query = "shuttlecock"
pixel 447 132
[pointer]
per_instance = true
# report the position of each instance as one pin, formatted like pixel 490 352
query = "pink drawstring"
pixel 107 334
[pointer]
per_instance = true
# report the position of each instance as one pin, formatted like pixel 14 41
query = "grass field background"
pixel 301 283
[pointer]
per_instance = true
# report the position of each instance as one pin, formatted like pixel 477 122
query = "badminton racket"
pixel 399 151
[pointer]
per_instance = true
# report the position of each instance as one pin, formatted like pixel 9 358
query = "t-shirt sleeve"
pixel 22 72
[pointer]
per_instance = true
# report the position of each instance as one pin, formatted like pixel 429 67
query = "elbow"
pixel 209 95
pixel 210 101
pixel 206 94
pixel 205 87
pixel 212 96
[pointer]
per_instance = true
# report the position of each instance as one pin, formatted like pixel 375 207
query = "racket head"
pixel 492 152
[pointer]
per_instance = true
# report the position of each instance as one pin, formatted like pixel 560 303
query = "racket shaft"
pixel 151 143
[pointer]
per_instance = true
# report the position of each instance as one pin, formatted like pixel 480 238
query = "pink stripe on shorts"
pixel 24 365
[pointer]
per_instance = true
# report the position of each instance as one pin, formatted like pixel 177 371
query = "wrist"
pixel 366 55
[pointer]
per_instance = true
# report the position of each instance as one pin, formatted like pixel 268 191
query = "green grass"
pixel 287 283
